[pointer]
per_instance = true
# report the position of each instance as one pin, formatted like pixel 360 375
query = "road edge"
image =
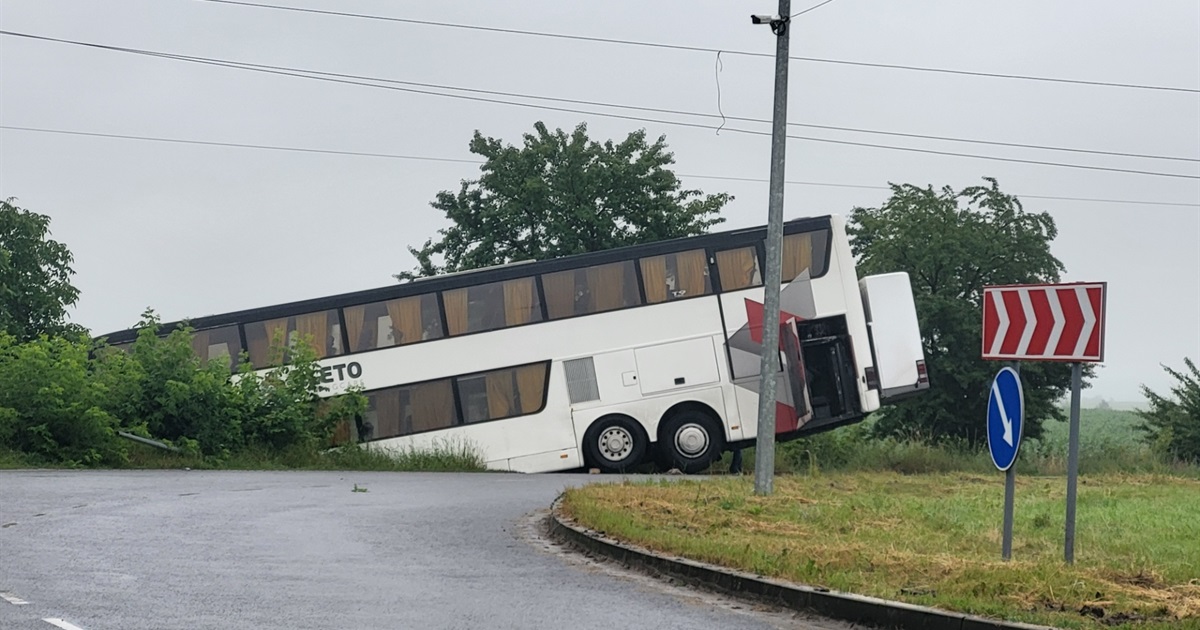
pixel 860 609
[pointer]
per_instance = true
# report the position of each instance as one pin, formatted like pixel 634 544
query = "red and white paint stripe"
pixel 1044 322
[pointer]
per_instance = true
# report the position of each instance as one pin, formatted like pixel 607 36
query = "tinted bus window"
pixel 404 410
pixel 804 251
pixel 218 344
pixel 675 276
pixel 393 323
pixel 268 339
pixel 739 269
pixel 491 306
pixel 591 289
pixel 502 393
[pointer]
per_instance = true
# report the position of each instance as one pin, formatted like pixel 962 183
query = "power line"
pixel 424 158
pixel 629 107
pixel 659 110
pixel 809 9
pixel 627 42
pixel 239 145
pixel 763 180
pixel 319 77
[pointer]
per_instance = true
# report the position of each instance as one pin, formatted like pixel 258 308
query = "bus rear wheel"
pixel 614 444
pixel 690 440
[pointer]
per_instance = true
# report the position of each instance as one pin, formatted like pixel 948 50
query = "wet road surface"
pixel 132 550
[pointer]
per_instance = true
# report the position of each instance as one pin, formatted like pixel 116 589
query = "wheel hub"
pixel 691 439
pixel 615 444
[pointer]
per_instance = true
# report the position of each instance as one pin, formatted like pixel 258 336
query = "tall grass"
pixel 1109 443
pixel 445 455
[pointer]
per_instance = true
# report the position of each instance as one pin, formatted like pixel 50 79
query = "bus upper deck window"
pixel 675 276
pixel 738 269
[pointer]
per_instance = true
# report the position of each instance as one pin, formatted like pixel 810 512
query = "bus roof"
pixel 473 277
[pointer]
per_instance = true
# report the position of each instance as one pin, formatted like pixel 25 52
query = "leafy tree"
pixel 35 275
pixel 1173 426
pixel 952 244
pixel 562 194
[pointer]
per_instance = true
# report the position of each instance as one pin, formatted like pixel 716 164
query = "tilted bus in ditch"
pixel 605 359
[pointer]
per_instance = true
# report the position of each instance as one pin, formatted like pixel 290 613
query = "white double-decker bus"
pixel 607 359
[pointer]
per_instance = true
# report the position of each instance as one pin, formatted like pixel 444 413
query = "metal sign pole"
pixel 1073 462
pixel 1010 490
pixel 764 452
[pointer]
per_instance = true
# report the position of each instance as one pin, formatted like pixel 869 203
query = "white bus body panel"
pixel 895 332
pixel 617 341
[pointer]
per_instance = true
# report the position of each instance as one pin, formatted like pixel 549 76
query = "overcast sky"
pixel 193 230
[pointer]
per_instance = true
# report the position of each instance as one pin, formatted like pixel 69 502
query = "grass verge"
pixel 442 456
pixel 935 540
pixel 1109 443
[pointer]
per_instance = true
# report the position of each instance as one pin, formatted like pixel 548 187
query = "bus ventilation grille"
pixel 581 380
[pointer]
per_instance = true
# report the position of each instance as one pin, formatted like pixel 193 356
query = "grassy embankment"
pixel 921 524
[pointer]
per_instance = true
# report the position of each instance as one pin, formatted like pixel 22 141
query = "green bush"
pixel 50 408
pixel 63 401
pixel 281 408
pixel 172 395
pixel 180 399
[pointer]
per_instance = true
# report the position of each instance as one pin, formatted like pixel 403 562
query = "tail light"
pixel 872 378
pixel 922 373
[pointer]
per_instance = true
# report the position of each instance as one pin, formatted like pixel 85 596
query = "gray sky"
pixel 195 230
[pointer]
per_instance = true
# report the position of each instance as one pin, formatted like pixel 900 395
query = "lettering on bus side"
pixel 352 370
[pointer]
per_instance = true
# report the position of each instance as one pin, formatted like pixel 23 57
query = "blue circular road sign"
pixel 1005 416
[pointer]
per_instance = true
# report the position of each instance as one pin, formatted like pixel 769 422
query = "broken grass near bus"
pixel 934 540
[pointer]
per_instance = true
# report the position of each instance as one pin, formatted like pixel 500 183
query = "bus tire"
pixel 690 439
pixel 614 444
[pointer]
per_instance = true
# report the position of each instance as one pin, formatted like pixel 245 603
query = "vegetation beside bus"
pixel 984 236
pixel 65 401
pixel 1111 442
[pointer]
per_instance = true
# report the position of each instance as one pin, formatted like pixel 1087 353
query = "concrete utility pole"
pixel 764 456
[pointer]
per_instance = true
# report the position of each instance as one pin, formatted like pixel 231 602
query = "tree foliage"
pixel 35 275
pixel 952 244
pixel 1172 426
pixel 560 194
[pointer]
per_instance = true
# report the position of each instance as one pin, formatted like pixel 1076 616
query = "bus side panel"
pixel 560 339
pixel 542 462
pixel 856 318
pixel 531 441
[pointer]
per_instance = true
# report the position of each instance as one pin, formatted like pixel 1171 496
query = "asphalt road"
pixel 130 550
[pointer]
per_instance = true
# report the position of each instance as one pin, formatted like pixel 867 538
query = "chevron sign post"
pixel 1047 322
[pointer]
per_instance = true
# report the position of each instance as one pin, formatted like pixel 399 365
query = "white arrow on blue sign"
pixel 1005 417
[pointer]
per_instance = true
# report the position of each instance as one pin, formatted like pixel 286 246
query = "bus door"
pixel 795 375
pixel 829 370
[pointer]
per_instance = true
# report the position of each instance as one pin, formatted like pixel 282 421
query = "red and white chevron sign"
pixel 1044 322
